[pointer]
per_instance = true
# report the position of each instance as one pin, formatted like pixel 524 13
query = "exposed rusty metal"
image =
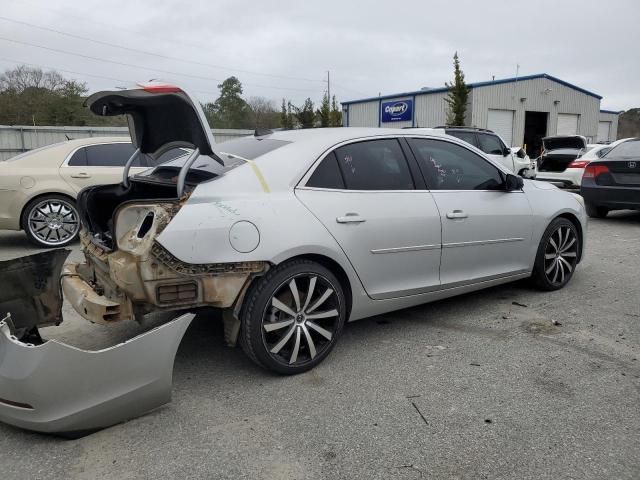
pixel 30 289
pixel 143 276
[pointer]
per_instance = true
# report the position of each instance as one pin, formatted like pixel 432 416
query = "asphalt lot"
pixel 479 386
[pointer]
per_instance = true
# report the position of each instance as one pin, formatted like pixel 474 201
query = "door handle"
pixel 80 175
pixel 350 218
pixel 457 214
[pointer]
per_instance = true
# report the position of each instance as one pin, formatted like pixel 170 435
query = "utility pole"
pixel 328 87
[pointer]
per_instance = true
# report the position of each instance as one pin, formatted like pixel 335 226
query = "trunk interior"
pixel 557 162
pixel 96 205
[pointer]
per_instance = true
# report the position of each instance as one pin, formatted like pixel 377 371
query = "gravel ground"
pixel 503 383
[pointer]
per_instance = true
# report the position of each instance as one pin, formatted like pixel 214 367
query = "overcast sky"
pixel 284 48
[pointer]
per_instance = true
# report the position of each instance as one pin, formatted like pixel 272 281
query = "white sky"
pixel 284 48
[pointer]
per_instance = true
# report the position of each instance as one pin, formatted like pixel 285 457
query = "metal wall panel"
pixel 364 114
pixel 541 95
pixel 431 109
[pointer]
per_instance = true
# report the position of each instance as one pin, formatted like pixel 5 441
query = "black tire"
pixel 556 259
pixel 52 213
pixel 259 336
pixel 596 212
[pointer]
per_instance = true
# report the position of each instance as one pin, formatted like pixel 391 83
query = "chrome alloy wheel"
pixel 560 255
pixel 301 319
pixel 53 222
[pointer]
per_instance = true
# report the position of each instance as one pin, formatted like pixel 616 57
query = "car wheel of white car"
pixel 51 221
pixel 557 255
pixel 293 317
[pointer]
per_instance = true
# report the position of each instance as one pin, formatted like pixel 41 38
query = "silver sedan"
pixel 290 234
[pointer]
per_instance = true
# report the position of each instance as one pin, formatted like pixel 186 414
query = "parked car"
pixel 613 181
pixel 564 166
pixel 291 234
pixel 38 188
pixel 513 158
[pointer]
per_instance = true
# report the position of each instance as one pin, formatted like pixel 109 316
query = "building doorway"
pixel 535 129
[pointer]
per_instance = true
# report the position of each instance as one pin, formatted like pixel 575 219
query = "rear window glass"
pixel 248 147
pixel 626 150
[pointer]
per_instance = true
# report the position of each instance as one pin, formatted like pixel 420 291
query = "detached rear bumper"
pixel 57 388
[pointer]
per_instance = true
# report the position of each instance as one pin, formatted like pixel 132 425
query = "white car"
pixel 564 159
pixel 513 158
pixel 289 234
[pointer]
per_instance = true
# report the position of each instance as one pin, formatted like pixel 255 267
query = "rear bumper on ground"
pixel 56 388
pixel 615 198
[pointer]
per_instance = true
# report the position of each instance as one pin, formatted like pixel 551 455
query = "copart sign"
pixel 397 111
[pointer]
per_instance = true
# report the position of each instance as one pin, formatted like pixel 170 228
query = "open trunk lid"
pixel 558 152
pixel 160 117
pixel 576 142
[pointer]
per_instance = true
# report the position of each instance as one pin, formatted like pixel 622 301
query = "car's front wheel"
pixel 557 255
pixel 596 212
pixel 51 221
pixel 292 317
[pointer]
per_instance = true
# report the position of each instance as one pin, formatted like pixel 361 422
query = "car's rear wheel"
pixel 557 255
pixel 292 317
pixel 596 212
pixel 51 221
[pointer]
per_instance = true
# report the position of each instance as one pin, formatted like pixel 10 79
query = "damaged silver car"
pixel 290 234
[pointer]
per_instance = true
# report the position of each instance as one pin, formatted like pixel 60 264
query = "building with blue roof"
pixel 522 110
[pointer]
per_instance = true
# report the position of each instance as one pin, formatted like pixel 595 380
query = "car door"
pixel 486 231
pixel 497 151
pixel 100 164
pixel 365 194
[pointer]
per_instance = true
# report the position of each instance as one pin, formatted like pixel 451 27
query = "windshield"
pixel 630 149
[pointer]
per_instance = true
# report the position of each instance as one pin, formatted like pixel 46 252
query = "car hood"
pixel 577 142
pixel 160 117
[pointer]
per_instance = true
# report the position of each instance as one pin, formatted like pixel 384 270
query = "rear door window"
pixel 328 174
pixel 112 155
pixel 490 144
pixel 468 137
pixel 374 165
pixel 79 158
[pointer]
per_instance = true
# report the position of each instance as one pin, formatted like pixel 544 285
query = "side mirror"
pixel 506 152
pixel 513 182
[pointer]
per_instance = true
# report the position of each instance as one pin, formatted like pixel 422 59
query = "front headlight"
pixel 137 225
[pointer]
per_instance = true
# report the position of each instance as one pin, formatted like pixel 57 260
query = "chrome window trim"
pixel 301 184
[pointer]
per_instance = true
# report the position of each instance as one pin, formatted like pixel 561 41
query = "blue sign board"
pixel 397 111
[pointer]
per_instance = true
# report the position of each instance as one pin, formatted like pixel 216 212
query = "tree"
pixel 335 116
pixel 263 112
pixel 230 110
pixel 305 114
pixel 323 114
pixel 457 96
pixel 30 96
pixel 286 115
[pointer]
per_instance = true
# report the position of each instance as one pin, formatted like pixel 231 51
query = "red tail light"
pixel 593 170
pixel 154 87
pixel 578 164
